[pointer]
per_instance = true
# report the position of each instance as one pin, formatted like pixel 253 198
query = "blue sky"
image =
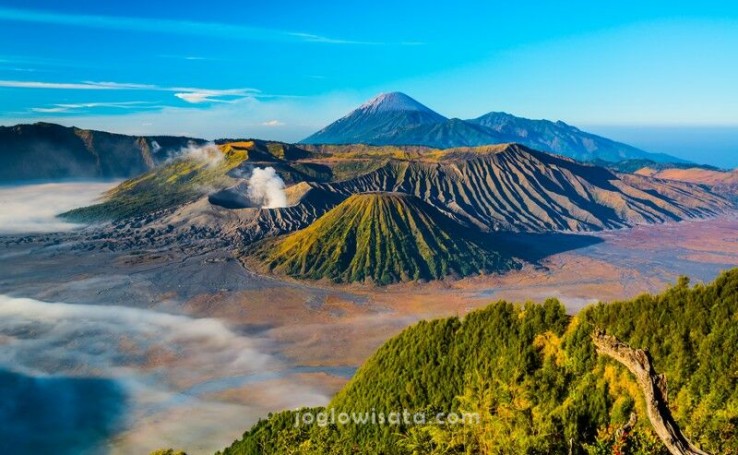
pixel 639 71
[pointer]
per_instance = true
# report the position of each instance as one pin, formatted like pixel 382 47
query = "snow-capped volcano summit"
pixel 396 101
pixel 378 121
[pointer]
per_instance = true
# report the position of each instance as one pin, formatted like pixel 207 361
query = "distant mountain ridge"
pixel 397 119
pixel 720 182
pixel 564 139
pixel 49 151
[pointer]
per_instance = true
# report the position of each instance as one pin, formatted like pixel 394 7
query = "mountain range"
pixel 397 119
pixel 347 208
pixel 46 151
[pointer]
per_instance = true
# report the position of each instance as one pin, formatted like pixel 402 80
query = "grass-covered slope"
pixel 183 180
pixel 532 375
pixel 383 238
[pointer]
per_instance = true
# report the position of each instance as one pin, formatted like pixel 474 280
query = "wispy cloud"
pixel 87 85
pixel 196 96
pixel 194 58
pixel 76 107
pixel 311 38
pixel 189 94
pixel 53 85
pixel 272 123
pixel 123 86
pixel 170 26
pixel 18 69
pixel 49 110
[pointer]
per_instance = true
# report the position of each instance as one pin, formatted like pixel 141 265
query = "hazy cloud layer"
pixel 171 367
pixel 33 207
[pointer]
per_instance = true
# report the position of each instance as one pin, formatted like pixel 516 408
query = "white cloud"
pixel 49 110
pixel 77 106
pixel 309 37
pixel 122 85
pixel 273 123
pixel 33 208
pixel 193 95
pixel 69 85
pixel 196 95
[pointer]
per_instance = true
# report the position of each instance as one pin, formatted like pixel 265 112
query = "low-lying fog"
pixel 32 208
pixel 89 375
pixel 74 376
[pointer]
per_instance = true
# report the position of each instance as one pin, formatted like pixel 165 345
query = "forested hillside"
pixel 532 375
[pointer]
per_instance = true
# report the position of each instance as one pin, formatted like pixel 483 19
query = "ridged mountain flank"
pixel 382 238
pixel 513 188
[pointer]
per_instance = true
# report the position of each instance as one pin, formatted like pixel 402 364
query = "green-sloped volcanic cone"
pixel 382 238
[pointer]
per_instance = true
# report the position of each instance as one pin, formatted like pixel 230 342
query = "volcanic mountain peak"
pixel 395 101
pixel 379 121
pixel 383 238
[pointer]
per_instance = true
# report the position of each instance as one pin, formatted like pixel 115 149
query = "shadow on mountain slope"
pixel 534 247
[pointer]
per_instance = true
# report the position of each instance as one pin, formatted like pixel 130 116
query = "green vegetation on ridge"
pixel 532 375
pixel 181 181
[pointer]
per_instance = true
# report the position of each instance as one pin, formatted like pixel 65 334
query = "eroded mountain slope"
pixel 514 188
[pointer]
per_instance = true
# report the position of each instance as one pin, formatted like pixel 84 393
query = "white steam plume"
pixel 208 153
pixel 266 188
